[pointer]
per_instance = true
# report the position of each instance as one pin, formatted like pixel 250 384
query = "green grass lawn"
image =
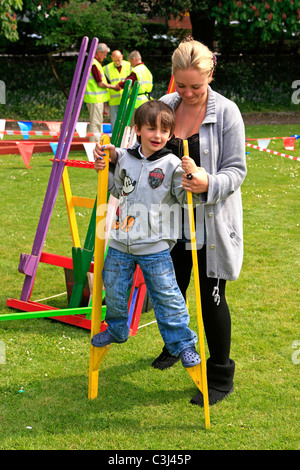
pixel 44 378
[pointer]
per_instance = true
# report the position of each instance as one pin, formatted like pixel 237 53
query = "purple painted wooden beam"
pixel 29 263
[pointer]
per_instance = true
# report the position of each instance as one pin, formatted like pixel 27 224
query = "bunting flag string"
pixel 26 148
pixel 51 133
pixel 273 138
pixel 288 142
pixel 53 126
pixel 27 133
pixel 272 151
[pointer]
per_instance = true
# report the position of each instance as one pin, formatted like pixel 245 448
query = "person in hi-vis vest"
pixel 97 92
pixel 116 71
pixel 139 72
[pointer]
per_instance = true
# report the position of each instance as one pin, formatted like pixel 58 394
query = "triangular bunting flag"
pixel 263 143
pixel 25 151
pixel 2 127
pixel 54 145
pixel 25 127
pixel 89 147
pixel 289 143
pixel 81 128
pixel 53 126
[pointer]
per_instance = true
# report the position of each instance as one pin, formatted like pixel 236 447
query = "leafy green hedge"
pixel 258 83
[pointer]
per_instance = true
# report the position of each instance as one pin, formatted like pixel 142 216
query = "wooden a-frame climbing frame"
pixel 80 265
pixel 29 262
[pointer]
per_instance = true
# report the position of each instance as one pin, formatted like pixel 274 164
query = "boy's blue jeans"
pixel 168 303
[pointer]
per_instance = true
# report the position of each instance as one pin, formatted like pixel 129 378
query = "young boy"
pixel 148 182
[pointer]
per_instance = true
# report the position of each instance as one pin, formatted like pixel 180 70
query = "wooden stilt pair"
pixel 97 355
pixel 121 128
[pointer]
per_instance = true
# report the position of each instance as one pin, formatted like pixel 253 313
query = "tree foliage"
pixel 60 25
pixel 100 19
pixel 57 25
pixel 8 19
pixel 273 16
pixel 267 19
pixel 271 19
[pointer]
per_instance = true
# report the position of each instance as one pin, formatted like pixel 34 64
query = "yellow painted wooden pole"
pixel 97 354
pixel 70 208
pixel 197 373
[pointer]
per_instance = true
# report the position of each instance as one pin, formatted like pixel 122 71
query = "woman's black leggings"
pixel 216 318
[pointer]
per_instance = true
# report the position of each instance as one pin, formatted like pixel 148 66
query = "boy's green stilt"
pixel 119 124
pixel 127 114
pixel 82 258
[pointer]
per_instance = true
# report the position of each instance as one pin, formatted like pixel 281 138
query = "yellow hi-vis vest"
pixel 145 78
pixel 94 93
pixel 114 76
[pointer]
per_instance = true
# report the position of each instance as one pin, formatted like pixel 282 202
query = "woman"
pixel 215 132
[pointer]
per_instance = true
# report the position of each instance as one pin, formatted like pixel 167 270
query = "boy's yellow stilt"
pixel 97 354
pixel 196 376
pixel 197 373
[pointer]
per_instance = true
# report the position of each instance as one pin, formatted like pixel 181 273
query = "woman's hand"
pixel 100 152
pixel 199 182
pixel 188 165
pixel 195 178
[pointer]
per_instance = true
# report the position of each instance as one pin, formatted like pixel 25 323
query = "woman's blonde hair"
pixel 191 53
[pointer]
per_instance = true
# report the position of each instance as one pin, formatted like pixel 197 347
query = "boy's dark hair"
pixel 148 112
